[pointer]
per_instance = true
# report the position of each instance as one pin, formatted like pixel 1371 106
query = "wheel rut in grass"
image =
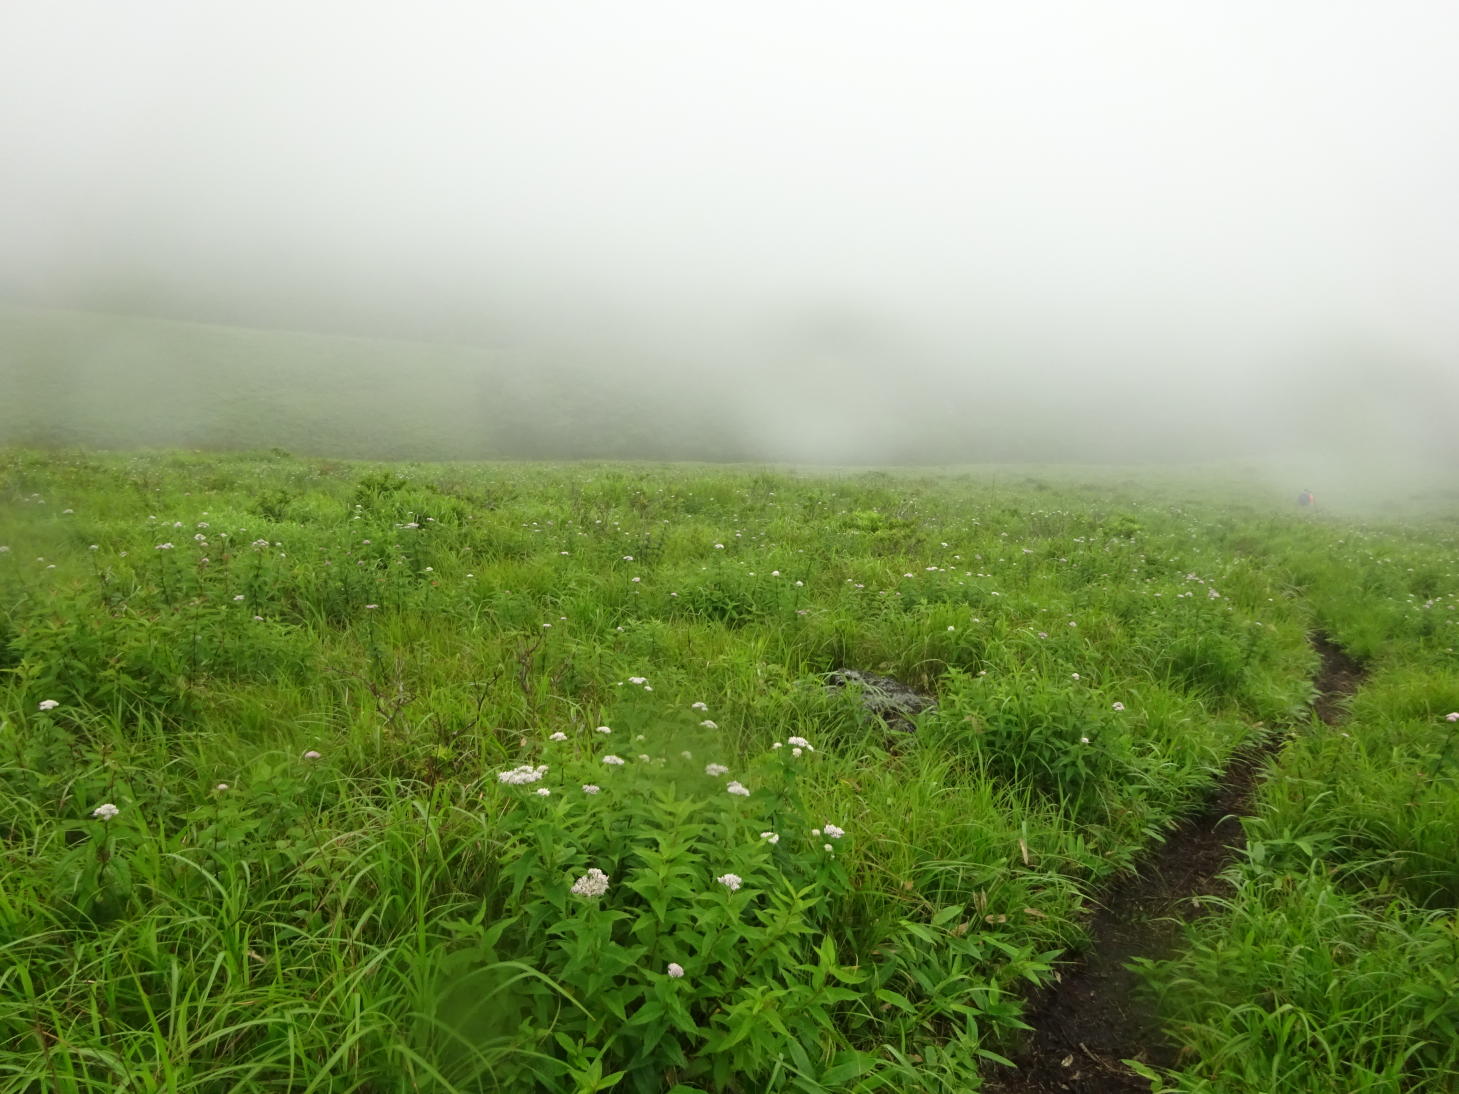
pixel 1094 1017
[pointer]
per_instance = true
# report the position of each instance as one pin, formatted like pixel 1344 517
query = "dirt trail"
pixel 1093 1017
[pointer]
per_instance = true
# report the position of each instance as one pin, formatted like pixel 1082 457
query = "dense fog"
pixel 853 233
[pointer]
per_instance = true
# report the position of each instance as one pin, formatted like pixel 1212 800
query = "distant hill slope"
pixel 127 381
pixel 116 381
pixel 119 381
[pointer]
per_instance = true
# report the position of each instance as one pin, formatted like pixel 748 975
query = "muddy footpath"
pixel 1094 1017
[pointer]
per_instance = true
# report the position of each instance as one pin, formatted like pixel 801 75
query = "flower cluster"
pixel 105 812
pixel 738 789
pixel 591 885
pixel 520 776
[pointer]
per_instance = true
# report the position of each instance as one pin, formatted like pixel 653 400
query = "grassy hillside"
pixel 113 381
pixel 124 382
pixel 358 777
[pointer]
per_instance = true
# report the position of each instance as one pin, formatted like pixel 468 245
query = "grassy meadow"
pixel 338 777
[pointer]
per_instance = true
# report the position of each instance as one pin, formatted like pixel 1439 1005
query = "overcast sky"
pixel 1214 194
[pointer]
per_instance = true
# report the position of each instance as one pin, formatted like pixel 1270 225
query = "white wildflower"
pixel 675 970
pixel 522 775
pixel 707 724
pixel 613 761
pixel 311 755
pixel 603 730
pixel 770 837
pixel 833 832
pixel 543 792
pixel 715 770
pixel 591 788
pixel 738 789
pixel 732 882
pixel 558 736
pixel 699 706
pixel 105 812
pixel 49 704
pixel 592 884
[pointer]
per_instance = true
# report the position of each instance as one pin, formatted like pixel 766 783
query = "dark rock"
pixel 883 696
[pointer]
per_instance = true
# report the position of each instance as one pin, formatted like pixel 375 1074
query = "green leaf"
pixel 897 999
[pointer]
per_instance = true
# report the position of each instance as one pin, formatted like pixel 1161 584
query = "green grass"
pixel 391 916
pixel 1335 963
